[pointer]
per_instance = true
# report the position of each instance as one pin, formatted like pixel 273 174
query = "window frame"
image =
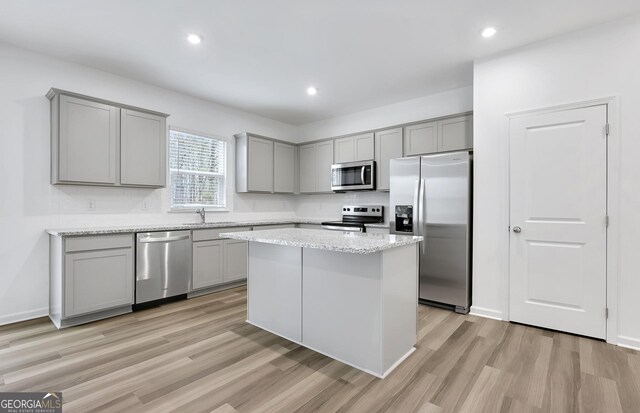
pixel 227 183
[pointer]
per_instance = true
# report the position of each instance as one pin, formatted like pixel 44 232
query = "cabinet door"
pixel 87 141
pixel 388 146
pixel 343 150
pixel 98 280
pixel 325 160
pixel 208 262
pixel 308 168
pixel 284 157
pixel 142 149
pixel 235 260
pixel 260 165
pixel 363 147
pixel 420 139
pixel 456 133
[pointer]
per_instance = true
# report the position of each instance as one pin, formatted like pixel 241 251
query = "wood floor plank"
pixel 201 356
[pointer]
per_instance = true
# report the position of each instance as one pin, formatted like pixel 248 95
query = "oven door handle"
pixel 362 174
pixel 339 228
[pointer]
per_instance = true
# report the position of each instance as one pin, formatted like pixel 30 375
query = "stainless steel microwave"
pixel 353 176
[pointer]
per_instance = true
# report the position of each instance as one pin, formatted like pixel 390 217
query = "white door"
pixel 558 220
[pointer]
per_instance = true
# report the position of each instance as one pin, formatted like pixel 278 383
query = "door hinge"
pixel 606 129
pixel 606 313
pixel 606 221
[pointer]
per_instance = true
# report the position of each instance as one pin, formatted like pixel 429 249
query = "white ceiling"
pixel 261 55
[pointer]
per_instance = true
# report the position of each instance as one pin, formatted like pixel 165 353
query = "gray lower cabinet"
pixel 98 142
pixel 142 148
pixel 235 260
pixel 218 261
pixel 388 146
pixel 91 277
pixel 208 263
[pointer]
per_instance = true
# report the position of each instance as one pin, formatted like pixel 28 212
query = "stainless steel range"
pixel 354 218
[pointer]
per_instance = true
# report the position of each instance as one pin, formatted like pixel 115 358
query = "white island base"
pixel 357 308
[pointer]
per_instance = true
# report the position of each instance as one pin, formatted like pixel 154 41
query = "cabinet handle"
pixel 166 239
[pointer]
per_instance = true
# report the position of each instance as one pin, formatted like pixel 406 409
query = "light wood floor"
pixel 200 356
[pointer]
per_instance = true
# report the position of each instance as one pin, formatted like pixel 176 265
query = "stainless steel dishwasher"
pixel 163 264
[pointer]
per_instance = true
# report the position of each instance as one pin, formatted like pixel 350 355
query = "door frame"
pixel 613 197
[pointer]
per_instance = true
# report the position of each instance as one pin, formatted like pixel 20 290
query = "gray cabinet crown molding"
pixel 54 91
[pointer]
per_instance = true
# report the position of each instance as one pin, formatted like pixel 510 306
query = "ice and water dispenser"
pixel 404 218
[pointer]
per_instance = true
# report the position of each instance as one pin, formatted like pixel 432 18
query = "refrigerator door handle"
pixel 421 215
pixel 416 198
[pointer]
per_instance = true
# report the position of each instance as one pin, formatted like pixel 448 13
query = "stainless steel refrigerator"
pixel 431 196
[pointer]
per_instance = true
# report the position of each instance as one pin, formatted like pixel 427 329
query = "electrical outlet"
pixel 92 205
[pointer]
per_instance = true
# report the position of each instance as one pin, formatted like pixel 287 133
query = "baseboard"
pixel 628 342
pixel 23 316
pixel 486 312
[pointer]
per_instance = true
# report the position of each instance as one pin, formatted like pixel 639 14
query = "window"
pixel 198 170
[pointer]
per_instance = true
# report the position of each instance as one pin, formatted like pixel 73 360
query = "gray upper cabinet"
pixel 343 150
pixel 142 148
pixel 315 167
pixel 354 148
pixel 455 133
pixel 260 165
pixel 284 167
pixel 308 168
pixel 388 146
pixel 363 147
pixel 264 164
pixel 421 138
pixel 98 142
pixel 449 134
pixel 323 166
pixel 85 145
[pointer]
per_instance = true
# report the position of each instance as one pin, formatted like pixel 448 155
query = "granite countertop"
pixel 351 242
pixel 125 229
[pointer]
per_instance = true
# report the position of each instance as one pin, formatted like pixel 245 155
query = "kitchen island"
pixel 350 296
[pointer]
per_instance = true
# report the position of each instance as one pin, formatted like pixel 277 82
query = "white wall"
pixel 29 204
pixel 432 106
pixel 427 107
pixel 596 63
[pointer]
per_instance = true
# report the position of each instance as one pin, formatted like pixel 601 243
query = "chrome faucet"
pixel 202 213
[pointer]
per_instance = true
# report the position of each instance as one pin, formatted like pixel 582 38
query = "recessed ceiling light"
pixel 194 38
pixel 489 32
pixel 312 90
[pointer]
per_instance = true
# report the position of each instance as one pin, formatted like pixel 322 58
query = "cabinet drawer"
pixel 98 242
pixel 214 233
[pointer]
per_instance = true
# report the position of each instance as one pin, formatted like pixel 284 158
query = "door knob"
pixel 517 230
